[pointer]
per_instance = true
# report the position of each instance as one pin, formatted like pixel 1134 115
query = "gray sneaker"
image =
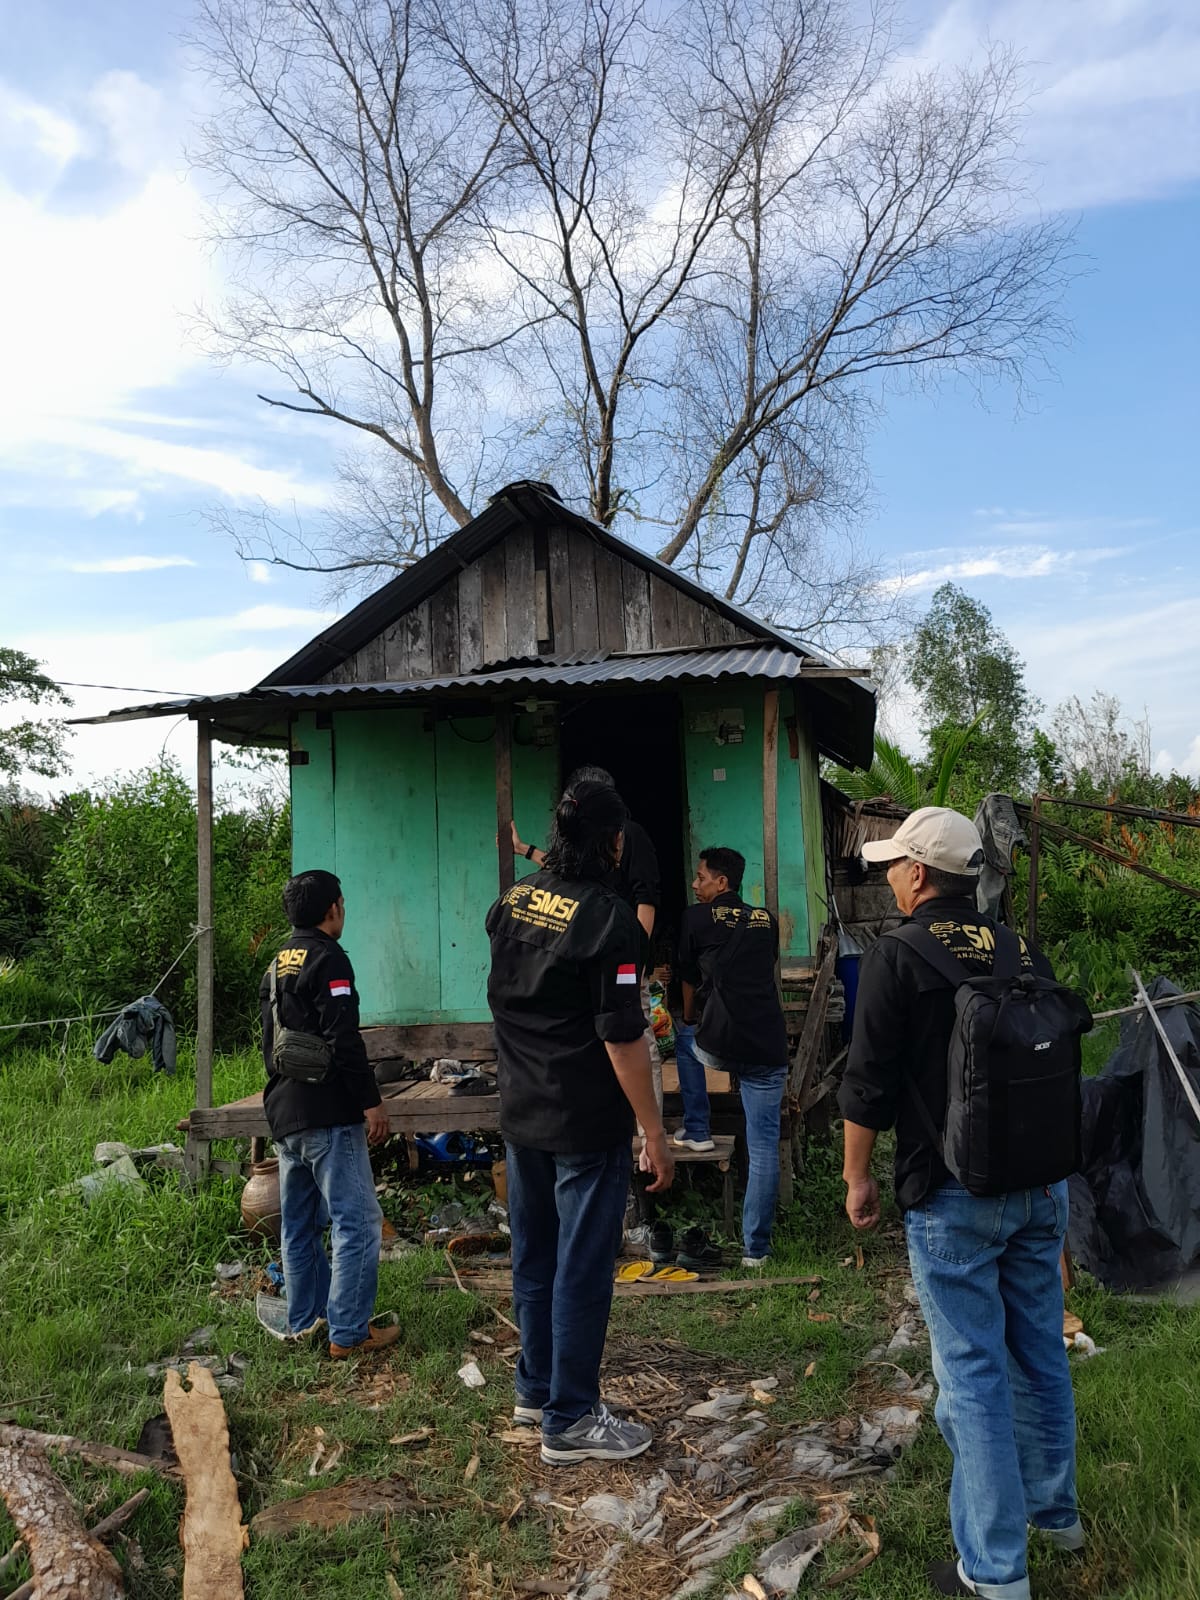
pixel 598 1436
pixel 527 1416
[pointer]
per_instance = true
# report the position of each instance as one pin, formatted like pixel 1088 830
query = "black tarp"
pixel 1135 1207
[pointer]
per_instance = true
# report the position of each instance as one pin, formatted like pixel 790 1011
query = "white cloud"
pixel 191 655
pixel 157 462
pixel 27 125
pixel 1014 562
pixel 132 114
pixel 1115 112
pixel 130 564
pixel 258 571
pixel 264 617
pixel 97 299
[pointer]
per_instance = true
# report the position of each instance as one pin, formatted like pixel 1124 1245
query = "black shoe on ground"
pixel 698 1253
pixel 946 1578
pixel 662 1245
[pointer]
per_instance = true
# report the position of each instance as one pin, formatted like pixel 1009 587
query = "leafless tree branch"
pixel 676 258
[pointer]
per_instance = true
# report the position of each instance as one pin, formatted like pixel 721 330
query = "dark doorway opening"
pixel 638 739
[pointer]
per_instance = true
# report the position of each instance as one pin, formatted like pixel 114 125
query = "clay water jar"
pixel 260 1201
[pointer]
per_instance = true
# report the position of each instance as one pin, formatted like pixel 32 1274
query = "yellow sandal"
pixel 633 1270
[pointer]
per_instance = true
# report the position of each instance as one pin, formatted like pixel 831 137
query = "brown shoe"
pixel 377 1339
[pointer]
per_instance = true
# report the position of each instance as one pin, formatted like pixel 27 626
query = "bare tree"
pixel 670 258
pixel 1094 738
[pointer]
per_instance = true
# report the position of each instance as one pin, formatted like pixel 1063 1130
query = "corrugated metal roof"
pixel 690 666
pixel 838 732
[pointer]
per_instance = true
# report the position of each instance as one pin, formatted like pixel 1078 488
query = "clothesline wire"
pixel 91 1016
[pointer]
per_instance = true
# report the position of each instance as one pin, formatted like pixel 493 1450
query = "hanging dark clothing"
pixel 146 1023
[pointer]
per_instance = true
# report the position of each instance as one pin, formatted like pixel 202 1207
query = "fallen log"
pixel 68 1563
pixel 335 1507
pixel 103 1529
pixel 212 1535
pixel 126 1462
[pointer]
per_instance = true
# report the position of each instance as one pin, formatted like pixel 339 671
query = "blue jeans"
pixel 325 1177
pixel 987 1273
pixel 761 1090
pixel 566 1214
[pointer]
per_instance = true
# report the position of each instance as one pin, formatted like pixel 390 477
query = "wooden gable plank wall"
pixel 499 608
pixel 635 589
pixel 610 608
pixel 519 607
pixel 585 620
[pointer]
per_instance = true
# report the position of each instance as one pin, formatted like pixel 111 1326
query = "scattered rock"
pixel 110 1150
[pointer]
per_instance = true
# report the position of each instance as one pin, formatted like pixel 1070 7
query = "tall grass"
pixel 92 1293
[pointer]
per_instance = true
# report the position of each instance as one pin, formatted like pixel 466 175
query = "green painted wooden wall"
pixel 724 791
pixel 403 809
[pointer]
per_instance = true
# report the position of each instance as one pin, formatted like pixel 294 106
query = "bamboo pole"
pixel 1117 809
pixel 770 800
pixel 1061 832
pixel 504 795
pixel 1035 844
pixel 198 1149
pixel 1166 1044
pixel 1156 1005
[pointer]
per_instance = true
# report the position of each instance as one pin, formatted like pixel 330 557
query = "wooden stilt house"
pixel 460 695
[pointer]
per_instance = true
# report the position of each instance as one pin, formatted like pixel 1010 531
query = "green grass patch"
pixel 91 1293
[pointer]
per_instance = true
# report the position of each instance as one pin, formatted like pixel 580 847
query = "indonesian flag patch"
pixel 627 974
pixel 339 986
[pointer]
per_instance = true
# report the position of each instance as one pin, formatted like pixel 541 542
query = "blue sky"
pixel 1075 520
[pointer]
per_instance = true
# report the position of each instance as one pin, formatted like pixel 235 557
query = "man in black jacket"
pixel 638 881
pixel 733 1021
pixel 574 1070
pixel 986 1268
pixel 324 1169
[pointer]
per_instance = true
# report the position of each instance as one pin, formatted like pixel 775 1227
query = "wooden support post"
pixel 770 811
pixel 1035 842
pixel 504 794
pixel 197 1149
pixel 770 801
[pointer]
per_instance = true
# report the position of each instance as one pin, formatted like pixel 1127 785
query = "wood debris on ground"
pixel 336 1506
pixel 213 1535
pixel 67 1561
pixel 721 1474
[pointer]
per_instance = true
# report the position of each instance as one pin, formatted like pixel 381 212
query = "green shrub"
pixel 27 995
pixel 122 898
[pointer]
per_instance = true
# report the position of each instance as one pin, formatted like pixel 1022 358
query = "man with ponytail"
pixel 574 1074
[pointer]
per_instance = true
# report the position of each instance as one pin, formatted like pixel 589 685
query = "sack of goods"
pixel 660 1019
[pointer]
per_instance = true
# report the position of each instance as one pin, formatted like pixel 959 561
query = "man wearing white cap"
pixel 986 1265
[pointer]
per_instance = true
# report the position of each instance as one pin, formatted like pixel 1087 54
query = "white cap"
pixel 935 836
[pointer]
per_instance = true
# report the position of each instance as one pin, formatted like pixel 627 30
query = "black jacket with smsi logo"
pixel 903 1019
pixel 748 1031
pixel 566 954
pixel 316 994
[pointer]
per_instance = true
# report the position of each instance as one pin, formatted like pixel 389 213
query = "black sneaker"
pixel 698 1253
pixel 598 1436
pixel 662 1245
pixel 946 1577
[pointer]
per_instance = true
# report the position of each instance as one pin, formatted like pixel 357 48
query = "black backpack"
pixel 1013 1096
